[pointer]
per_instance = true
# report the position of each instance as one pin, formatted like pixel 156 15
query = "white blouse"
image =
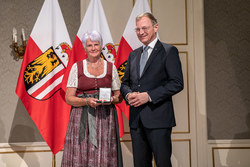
pixel 73 76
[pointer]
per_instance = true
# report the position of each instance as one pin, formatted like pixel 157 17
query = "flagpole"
pixel 53 160
pixel 151 5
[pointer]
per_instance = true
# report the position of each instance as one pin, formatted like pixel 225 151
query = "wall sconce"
pixel 19 50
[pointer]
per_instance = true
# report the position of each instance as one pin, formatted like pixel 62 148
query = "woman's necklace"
pixel 99 64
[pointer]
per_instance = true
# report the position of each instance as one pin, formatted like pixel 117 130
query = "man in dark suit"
pixel 148 86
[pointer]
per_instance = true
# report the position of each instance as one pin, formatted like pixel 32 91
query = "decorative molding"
pixel 53 163
pixel 217 148
pixel 53 156
pixel 24 151
pixel 242 141
pixel 189 145
pixel 186 23
pixel 188 105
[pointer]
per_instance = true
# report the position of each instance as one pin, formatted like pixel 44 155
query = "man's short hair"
pixel 148 15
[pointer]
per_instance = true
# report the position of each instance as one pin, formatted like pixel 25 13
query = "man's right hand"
pixel 131 96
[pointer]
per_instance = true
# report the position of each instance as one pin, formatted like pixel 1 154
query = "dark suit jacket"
pixel 162 78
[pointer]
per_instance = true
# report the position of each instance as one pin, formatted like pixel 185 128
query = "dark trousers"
pixel 147 143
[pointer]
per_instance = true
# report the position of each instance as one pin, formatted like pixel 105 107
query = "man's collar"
pixel 152 44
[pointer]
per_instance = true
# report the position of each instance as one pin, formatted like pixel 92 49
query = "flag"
pixel 40 78
pixel 94 19
pixel 129 42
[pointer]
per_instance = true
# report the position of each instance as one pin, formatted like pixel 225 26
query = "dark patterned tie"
pixel 144 58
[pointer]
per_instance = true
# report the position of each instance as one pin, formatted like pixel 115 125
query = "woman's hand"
pixel 92 102
pixel 106 102
pixel 117 97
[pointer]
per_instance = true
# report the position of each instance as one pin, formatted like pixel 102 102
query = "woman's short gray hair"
pixel 93 36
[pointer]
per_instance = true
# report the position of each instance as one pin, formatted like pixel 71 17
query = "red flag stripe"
pixel 47 83
pixel 56 88
pixel 123 52
pixel 122 56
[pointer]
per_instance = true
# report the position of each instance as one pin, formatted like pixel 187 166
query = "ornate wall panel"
pixel 181 153
pixel 172 18
pixel 127 153
pixel 26 159
pixel 58 159
pixel 181 102
pixel 228 153
pixel 25 155
pixel 230 156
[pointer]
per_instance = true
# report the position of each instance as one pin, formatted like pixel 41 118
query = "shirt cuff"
pixel 126 97
pixel 149 98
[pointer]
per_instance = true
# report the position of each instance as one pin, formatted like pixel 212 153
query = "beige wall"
pixel 227 68
pixel 14 119
pixel 227 78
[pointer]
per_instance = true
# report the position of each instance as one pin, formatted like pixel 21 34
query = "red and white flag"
pixel 129 42
pixel 40 78
pixel 94 19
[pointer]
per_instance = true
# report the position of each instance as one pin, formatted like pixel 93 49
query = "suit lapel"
pixel 138 58
pixel 153 54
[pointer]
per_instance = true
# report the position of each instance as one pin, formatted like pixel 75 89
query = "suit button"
pixel 139 85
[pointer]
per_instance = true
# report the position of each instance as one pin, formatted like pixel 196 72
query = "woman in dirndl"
pixel 92 138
